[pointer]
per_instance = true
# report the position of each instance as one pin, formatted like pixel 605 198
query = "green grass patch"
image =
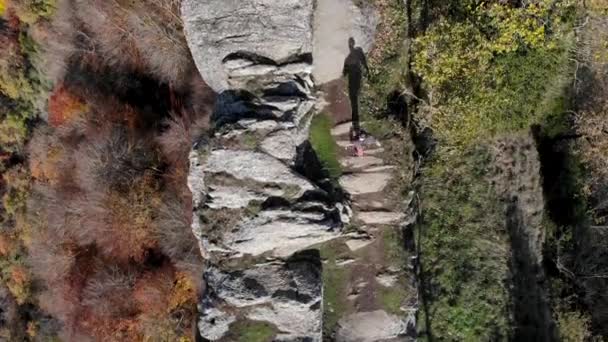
pixel 252 331
pixel 334 286
pixel 324 144
pixel 250 140
pixel 333 295
pixel 394 251
pixel 392 298
pixel 464 248
pixel 380 128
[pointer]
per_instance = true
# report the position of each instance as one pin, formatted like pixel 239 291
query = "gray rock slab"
pixel 256 166
pixel 281 232
pixel 231 197
pixel 364 183
pixel 361 162
pixel 371 204
pixel 356 244
pixel 245 31
pixel 374 151
pixel 380 217
pixel 380 168
pixel 344 143
pixel 281 145
pixel 370 327
pixel 215 323
pixel 387 280
pixel 286 294
pixel 341 129
pixel 196 178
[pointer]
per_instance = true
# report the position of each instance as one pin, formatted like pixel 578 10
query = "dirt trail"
pixel 377 290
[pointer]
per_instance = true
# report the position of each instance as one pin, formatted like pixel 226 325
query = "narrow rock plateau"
pixel 265 230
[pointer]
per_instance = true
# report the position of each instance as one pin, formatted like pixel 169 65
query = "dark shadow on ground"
pixel 531 309
pixel 354 65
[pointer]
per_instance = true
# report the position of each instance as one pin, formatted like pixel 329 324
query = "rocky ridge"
pixel 264 216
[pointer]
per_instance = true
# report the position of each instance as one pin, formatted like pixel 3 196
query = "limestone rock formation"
pixel 253 214
pixel 235 42
pixel 265 212
pixel 288 294
pixel 255 217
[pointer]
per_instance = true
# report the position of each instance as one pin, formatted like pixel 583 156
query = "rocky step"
pixel 379 217
pixel 365 183
pixel 359 163
pixel 379 168
pixel 342 129
pixel 374 326
pixel 374 151
pixel 376 202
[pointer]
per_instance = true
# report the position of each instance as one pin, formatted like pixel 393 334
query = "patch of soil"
pixel 338 107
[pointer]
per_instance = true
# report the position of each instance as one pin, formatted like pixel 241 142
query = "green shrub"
pixel 31 11
pixel 498 71
pixel 574 326
pixel 13 132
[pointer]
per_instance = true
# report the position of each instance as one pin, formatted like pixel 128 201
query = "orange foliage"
pixel 153 289
pixel 19 275
pixel 183 294
pixel 48 167
pixel 131 219
pixel 64 106
pixel 6 244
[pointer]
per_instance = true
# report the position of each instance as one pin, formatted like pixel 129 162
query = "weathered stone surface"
pixel 255 166
pixel 196 184
pixel 236 41
pixel 196 180
pixel 386 280
pixel 365 183
pixel 370 327
pixel 361 162
pixel 215 323
pixel 255 216
pixel 281 232
pixel 356 244
pixel 380 168
pixel 344 143
pixel 374 151
pixel 231 197
pixel 380 217
pixel 285 293
pixel 342 129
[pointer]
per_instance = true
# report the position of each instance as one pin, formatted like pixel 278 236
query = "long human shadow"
pixel 531 309
pixel 354 64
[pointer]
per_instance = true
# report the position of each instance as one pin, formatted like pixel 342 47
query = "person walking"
pixel 354 64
